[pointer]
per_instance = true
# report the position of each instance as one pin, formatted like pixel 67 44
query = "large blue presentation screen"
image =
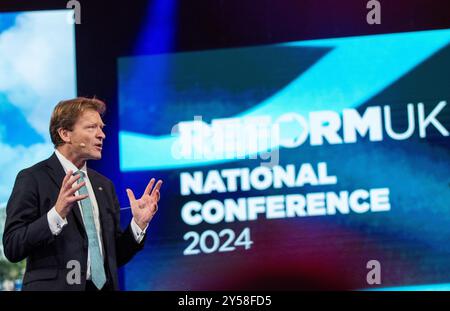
pixel 300 165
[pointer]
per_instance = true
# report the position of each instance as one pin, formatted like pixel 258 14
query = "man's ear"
pixel 65 135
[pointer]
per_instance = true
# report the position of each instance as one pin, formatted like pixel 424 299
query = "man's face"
pixel 87 136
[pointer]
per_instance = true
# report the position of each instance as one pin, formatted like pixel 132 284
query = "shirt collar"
pixel 67 165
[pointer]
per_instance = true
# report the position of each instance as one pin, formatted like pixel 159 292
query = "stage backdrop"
pixel 37 70
pixel 293 165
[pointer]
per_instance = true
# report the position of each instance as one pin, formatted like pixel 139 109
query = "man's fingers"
pixel 158 195
pixel 76 188
pixel 149 187
pixel 131 195
pixel 71 181
pixel 76 198
pixel 66 178
pixel 157 187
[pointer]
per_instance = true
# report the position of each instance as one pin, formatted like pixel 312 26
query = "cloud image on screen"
pixel 37 70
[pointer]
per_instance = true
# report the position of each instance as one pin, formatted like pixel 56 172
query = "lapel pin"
pixel 100 188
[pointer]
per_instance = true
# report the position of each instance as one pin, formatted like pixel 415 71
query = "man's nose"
pixel 101 134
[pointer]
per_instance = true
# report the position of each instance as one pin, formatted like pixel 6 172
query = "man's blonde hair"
pixel 66 113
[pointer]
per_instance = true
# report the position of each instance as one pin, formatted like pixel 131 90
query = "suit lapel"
pixel 57 174
pixel 56 171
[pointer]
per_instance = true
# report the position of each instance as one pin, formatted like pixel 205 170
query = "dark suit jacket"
pixel 27 233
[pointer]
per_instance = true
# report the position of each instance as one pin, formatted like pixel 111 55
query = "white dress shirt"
pixel 57 223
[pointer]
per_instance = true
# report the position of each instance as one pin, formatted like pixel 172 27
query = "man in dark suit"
pixel 64 217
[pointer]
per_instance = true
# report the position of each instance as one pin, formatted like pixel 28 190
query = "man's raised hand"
pixel 144 208
pixel 67 197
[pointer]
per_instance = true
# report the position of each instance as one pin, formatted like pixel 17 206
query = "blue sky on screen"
pixel 37 69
